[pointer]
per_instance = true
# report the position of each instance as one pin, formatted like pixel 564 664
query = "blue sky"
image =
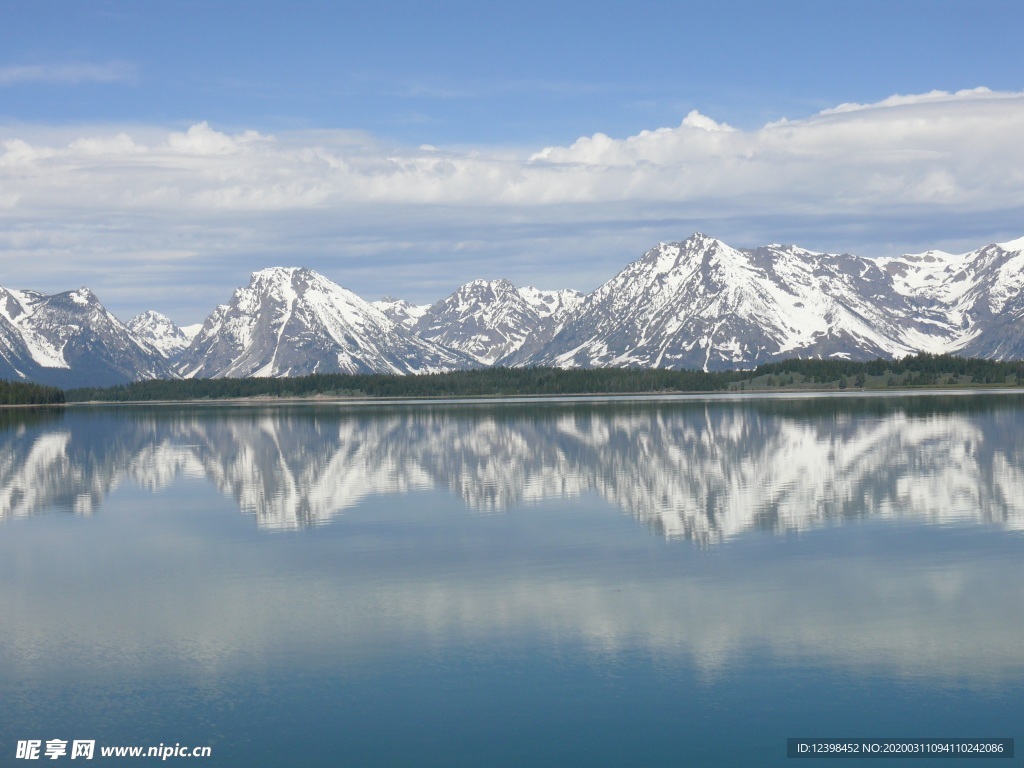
pixel 160 152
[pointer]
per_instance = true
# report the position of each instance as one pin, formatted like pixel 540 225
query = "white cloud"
pixel 119 144
pixel 922 98
pixel 109 72
pixel 953 149
pixel 200 139
pixel 908 170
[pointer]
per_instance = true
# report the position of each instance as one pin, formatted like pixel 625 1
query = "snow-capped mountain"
pixel 400 311
pixel 693 304
pixel 292 322
pixel 20 347
pixel 491 319
pixel 159 333
pixel 970 303
pixel 702 304
pixel 70 339
pixel 557 305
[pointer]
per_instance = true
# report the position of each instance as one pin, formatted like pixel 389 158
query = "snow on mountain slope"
pixel 70 339
pixel 94 343
pixel 694 304
pixel 491 319
pixel 17 308
pixel 966 303
pixel 701 304
pixel 552 304
pixel 16 361
pixel 159 333
pixel 994 306
pixel 292 322
pixel 400 311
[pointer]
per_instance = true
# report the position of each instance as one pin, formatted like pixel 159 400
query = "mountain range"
pixel 696 304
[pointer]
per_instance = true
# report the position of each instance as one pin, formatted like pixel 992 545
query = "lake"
pixel 622 582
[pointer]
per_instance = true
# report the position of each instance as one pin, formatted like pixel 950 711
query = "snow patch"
pixel 1013 245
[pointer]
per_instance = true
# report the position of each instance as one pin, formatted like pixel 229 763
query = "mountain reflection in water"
pixel 478 593
pixel 701 470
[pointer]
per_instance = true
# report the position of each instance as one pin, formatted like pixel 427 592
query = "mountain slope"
pixel 69 339
pixel 292 322
pixel 701 304
pixel 401 312
pixel 971 303
pixel 490 319
pixel 697 304
pixel 159 333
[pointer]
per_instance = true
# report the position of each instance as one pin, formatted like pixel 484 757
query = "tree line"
pixel 924 369
pixel 917 370
pixel 27 393
pixel 494 382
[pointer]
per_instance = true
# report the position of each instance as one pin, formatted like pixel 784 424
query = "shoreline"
pixel 769 393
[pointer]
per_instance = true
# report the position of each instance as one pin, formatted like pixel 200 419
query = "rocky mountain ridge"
pixel 70 339
pixel 696 304
pixel 702 304
pixel 489 320
pixel 294 322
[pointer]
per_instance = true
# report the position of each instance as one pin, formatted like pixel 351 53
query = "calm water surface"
pixel 657 583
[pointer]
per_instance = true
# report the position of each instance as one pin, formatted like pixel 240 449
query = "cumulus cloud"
pixel 939 148
pixel 924 159
pixel 200 139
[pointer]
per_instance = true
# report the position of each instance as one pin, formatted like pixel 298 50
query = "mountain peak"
pixel 279 274
pixel 400 311
pixel 695 303
pixel 291 321
pixel 1013 245
pixel 488 319
pixel 473 286
pixel 158 332
pixel 700 240
pixel 70 339
pixel 83 297
pixel 149 316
